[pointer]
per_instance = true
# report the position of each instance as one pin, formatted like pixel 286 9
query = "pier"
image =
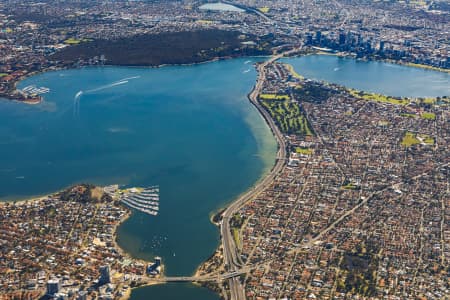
pixel 33 90
pixel 145 200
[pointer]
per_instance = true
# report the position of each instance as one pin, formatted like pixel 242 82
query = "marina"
pixel 145 200
pixel 32 90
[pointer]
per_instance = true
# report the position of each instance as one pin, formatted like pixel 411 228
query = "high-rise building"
pixel 157 261
pixel 155 268
pixel 318 36
pixel 381 46
pixel 360 40
pixel 105 276
pixel 341 38
pixel 53 286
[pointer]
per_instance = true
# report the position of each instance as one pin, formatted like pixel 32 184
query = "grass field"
pixel 378 97
pixel 97 193
pixel 429 100
pixel 236 237
pixel 408 115
pixel 428 67
pixel 409 139
pixel 349 186
pixel 288 117
pixel 264 9
pixel 426 139
pixel 428 116
pixel 72 41
pixel 304 151
pixel 274 97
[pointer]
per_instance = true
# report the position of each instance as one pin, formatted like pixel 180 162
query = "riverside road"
pixel 231 257
pixel 232 261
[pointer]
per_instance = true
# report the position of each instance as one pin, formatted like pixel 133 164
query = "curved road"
pixel 250 9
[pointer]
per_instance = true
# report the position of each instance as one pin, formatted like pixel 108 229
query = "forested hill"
pixel 166 48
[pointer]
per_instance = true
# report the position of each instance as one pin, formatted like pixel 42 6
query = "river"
pixel 373 76
pixel 189 129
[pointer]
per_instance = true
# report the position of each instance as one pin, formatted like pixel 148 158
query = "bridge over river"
pixel 201 278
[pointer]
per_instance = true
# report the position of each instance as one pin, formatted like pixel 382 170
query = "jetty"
pixel 145 200
pixel 33 90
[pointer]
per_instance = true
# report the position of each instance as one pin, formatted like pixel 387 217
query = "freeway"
pixel 250 10
pixel 233 264
pixel 202 278
pixel 232 259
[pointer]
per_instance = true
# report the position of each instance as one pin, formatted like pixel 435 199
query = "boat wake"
pixel 130 78
pixel 77 97
pixel 117 130
pixel 113 84
pixel 76 103
pixel 104 87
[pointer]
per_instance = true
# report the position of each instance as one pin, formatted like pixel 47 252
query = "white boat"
pixel 140 208
pixel 145 200
pixel 142 202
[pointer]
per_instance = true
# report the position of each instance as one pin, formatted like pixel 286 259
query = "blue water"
pixel 189 129
pixel 380 77
pixel 173 291
pixel 220 7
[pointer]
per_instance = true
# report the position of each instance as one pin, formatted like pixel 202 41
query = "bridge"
pixel 232 260
pixel 201 278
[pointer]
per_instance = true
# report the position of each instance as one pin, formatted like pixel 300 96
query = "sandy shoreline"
pixel 214 59
pixel 128 256
pixel 386 60
pixel 129 212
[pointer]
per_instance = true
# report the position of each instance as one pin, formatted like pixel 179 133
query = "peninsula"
pixel 153 50
pixel 64 244
pixel 170 48
pixel 325 222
